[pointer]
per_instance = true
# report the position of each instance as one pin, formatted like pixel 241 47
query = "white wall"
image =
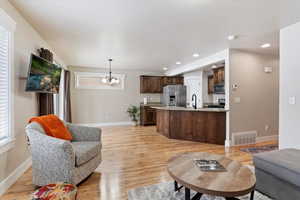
pixel 107 106
pixel 289 129
pixel 27 40
pixel 258 92
pixel 193 83
pixel 207 98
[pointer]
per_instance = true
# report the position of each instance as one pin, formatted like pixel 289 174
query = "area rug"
pixel 254 150
pixel 165 191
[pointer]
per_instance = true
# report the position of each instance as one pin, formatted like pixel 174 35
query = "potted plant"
pixel 134 113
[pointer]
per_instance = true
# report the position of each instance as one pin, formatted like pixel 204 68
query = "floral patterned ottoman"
pixel 57 191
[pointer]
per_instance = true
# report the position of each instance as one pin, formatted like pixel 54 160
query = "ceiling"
pixel 152 34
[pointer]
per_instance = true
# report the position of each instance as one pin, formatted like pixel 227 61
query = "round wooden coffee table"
pixel 237 180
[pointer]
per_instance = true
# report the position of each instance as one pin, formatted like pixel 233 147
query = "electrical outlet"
pixel 237 99
pixel 292 100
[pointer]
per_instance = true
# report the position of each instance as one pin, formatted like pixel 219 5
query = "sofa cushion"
pixel 283 164
pixel 85 151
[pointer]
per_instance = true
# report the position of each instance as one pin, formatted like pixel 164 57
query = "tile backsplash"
pixel 216 97
pixel 151 97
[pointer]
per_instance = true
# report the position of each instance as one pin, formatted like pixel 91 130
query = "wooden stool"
pixel 57 191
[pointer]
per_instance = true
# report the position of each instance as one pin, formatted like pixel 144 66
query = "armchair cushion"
pixel 85 151
pixel 84 133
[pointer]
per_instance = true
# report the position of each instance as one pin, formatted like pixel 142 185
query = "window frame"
pixel 9 25
pixel 78 75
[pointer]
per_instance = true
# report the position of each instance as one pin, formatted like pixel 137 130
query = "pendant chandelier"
pixel 109 79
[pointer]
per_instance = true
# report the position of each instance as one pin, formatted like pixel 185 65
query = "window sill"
pixel 6 145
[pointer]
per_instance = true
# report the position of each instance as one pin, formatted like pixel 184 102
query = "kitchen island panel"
pixel 163 122
pixel 181 127
pixel 200 126
pixel 216 128
pixel 207 127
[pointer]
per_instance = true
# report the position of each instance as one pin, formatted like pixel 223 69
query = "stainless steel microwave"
pixel 219 89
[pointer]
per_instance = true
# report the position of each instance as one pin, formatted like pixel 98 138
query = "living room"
pixel 147 93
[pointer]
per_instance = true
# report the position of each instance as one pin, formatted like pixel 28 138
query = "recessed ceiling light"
pixel 231 37
pixel 196 55
pixel 178 63
pixel 165 68
pixel 267 45
pixel 214 66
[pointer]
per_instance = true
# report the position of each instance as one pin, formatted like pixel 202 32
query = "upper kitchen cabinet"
pixel 155 84
pixel 216 81
pixel 151 84
pixel 172 80
pixel 210 84
pixel 219 75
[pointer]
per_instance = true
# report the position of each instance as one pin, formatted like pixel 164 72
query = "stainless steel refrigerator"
pixel 174 95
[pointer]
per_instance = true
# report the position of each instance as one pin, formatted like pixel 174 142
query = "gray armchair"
pixel 55 160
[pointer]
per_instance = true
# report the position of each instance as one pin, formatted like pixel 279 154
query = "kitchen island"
pixel 207 125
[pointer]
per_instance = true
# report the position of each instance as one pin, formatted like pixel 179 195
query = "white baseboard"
pixel 14 176
pixel 108 124
pixel 227 143
pixel 267 138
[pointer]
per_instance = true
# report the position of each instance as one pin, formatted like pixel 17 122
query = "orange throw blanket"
pixel 53 126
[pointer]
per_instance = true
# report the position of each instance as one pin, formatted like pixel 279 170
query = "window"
pixel 4 84
pixel 91 80
pixel 7 26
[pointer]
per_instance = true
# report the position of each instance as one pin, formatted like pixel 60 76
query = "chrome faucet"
pixel 194 97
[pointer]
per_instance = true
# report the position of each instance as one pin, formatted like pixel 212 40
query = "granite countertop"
pixel 174 108
pixel 153 104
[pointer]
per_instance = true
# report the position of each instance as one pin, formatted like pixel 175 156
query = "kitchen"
pixel 192 105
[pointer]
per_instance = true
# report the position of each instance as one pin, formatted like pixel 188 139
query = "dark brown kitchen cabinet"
pixel 210 84
pixel 218 78
pixel 172 80
pixel 219 75
pixel 148 115
pixel 151 84
pixel 207 127
pixel 155 84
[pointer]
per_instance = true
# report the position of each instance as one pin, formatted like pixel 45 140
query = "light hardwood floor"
pixel 132 157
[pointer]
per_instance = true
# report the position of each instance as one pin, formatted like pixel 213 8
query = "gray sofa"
pixel 55 160
pixel 278 174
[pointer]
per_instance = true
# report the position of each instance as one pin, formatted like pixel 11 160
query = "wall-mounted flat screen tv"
pixel 43 76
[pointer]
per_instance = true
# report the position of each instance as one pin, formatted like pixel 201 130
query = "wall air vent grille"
pixel 244 138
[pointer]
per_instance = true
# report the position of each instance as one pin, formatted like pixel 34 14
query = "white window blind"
pixel 4 84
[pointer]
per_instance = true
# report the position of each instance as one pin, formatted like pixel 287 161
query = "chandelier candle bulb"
pixel 109 79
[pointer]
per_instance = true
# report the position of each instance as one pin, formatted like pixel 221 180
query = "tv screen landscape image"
pixel 43 76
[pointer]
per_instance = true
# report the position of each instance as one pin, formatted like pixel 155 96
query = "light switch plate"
pixel 237 99
pixel 292 100
pixel 268 69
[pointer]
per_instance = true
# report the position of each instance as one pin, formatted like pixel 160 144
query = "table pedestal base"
pixel 198 195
